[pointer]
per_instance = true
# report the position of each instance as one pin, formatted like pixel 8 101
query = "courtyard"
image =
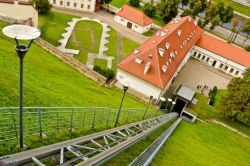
pixel 196 73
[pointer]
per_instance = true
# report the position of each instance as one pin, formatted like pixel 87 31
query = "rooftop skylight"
pixel 147 66
pixel 161 51
pixel 136 51
pixel 138 60
pixel 167 46
pixel 164 68
pixel 179 32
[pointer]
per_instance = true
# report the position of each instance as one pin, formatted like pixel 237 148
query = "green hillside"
pixel 49 82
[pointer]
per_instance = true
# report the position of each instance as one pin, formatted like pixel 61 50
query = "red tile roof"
pixel 134 15
pixel 190 33
pixel 224 49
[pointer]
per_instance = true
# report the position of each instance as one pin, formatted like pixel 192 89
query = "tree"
pixel 211 13
pixel 197 6
pixel 42 6
pixel 184 3
pixel 227 15
pixel 168 9
pixel 149 9
pixel 215 22
pixel 235 23
pixel 135 3
pixel 105 1
pixel 236 103
pixel 246 29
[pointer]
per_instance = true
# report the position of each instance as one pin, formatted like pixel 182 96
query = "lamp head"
pixel 125 88
pixel 21 32
pixel 151 97
pixel 163 99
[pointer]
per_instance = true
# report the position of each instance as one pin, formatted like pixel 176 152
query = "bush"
pixel 135 3
pixel 108 73
pixel 247 48
pixel 212 96
pixel 42 6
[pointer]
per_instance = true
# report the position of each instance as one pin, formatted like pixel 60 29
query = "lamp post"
pixel 150 98
pixel 125 88
pixel 21 32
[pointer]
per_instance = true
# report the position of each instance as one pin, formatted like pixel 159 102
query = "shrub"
pixel 247 48
pixel 42 6
pixel 108 73
pixel 135 3
pixel 212 96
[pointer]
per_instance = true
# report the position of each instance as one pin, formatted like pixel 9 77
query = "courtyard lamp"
pixel 21 32
pixel 125 88
pixel 150 98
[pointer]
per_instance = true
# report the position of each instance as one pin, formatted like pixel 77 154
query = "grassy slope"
pixel 208 112
pixel 237 7
pixel 52 26
pixel 49 82
pixel 204 144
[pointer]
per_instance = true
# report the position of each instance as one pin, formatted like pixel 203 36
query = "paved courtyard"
pixel 196 73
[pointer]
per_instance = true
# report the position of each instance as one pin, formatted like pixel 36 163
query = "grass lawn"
pixel 148 34
pixel 118 3
pixel 87 39
pixel 206 111
pixel 52 26
pixel 101 62
pixel 204 144
pixel 237 7
pixel 128 46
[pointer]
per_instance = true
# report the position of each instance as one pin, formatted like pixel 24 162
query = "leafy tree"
pixel 105 1
pixel 168 9
pixel 197 6
pixel 184 3
pixel 135 3
pixel 227 15
pixel 246 29
pixel 215 22
pixel 235 23
pixel 149 9
pixel 42 6
pixel 236 103
pixel 211 13
pixel 187 12
pixel 200 23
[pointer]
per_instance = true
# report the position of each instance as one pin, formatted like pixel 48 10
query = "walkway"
pixel 91 56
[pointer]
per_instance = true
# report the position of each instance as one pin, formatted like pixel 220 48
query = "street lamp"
pixel 21 32
pixel 150 98
pixel 125 88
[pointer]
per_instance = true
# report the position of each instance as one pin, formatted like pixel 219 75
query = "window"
pixel 221 65
pixel 68 3
pixel 207 60
pixel 226 67
pixel 203 57
pixel 61 3
pixel 82 5
pixel 194 53
pixel 88 6
pixel 231 70
pixel 199 56
pixel 237 73
pixel 136 26
pixel 54 1
pixel 122 20
pixel 75 4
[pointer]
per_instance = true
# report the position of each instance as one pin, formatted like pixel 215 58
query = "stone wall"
pixel 71 61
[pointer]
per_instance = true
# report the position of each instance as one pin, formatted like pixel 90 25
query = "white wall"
pixel 138 84
pixel 19 12
pixel 83 5
pixel 232 67
pixel 135 27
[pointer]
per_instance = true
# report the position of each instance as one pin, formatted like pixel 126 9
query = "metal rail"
pixel 146 157
pixel 93 149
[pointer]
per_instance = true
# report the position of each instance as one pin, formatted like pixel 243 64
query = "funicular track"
pixel 92 149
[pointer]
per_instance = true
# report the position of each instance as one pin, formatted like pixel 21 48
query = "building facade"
pixel 81 5
pixel 133 19
pixel 18 12
pixel 153 66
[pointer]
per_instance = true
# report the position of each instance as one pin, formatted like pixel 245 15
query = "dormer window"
pixel 158 33
pixel 179 32
pixel 171 55
pixel 167 46
pixel 189 19
pixel 136 51
pixel 181 46
pixel 176 52
pixel 164 68
pixel 138 60
pixel 195 23
pixel 147 66
pixel 150 56
pixel 170 60
pixel 163 33
pixel 161 51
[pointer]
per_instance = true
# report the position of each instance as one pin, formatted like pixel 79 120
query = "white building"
pixel 133 19
pixel 81 5
pixel 152 67
pixel 20 12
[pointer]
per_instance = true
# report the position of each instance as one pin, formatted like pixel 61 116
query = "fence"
pixel 43 120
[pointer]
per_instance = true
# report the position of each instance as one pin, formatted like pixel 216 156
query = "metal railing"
pixel 42 120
